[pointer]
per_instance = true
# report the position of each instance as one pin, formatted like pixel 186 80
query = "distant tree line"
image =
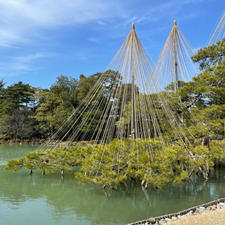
pixel 28 112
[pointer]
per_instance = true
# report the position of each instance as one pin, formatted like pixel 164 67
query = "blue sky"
pixel 42 39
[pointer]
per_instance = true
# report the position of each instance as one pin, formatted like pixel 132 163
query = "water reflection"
pixel 55 200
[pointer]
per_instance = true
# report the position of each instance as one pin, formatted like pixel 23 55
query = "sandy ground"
pixel 216 217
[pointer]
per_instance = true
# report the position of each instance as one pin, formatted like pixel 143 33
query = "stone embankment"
pixel 196 210
pixel 212 217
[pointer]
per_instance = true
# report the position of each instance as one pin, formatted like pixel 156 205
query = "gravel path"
pixel 216 217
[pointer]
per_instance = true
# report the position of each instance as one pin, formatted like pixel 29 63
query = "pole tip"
pixel 133 26
pixel 174 22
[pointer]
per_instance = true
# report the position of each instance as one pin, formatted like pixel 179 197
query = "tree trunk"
pixel 43 171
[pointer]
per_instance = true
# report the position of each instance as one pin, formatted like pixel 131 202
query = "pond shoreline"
pixel 22 142
pixel 42 141
pixel 212 205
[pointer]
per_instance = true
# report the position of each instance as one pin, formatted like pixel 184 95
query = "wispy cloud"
pixel 93 40
pixel 20 17
pixel 21 64
pixel 25 22
pixel 29 24
pixel 167 9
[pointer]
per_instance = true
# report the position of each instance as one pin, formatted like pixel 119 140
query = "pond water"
pixel 49 200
